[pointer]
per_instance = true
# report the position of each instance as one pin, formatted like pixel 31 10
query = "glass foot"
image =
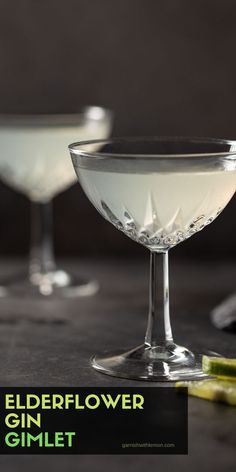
pixel 159 364
pixel 58 284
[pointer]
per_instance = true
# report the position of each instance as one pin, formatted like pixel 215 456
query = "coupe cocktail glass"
pixel 33 160
pixel 159 192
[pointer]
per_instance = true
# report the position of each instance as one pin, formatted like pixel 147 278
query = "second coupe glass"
pixel 33 160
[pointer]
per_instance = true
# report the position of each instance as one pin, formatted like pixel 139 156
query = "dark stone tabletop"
pixel 49 343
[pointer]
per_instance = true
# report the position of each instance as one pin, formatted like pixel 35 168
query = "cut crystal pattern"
pixel 152 234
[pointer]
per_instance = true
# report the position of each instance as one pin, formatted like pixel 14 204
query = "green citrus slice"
pixel 220 367
pixel 212 389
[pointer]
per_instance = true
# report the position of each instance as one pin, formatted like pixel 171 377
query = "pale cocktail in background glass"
pixel 34 161
pixel 158 191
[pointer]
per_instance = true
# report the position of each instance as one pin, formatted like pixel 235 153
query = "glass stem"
pixel 159 331
pixel 41 251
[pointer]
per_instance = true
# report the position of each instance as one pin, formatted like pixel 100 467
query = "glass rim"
pixel 92 112
pixel 73 147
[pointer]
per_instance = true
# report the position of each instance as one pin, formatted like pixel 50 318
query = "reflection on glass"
pixel 34 161
pixel 158 191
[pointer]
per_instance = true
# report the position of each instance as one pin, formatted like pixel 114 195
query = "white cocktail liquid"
pixel 34 159
pixel 158 209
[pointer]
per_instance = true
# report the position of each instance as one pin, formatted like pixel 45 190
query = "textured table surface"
pixel 49 343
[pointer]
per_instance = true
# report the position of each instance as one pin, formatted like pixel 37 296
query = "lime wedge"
pixel 215 390
pixel 220 367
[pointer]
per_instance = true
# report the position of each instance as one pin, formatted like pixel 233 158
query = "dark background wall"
pixel 165 67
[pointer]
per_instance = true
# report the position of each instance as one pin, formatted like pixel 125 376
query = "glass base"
pixel 57 284
pixel 159 364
